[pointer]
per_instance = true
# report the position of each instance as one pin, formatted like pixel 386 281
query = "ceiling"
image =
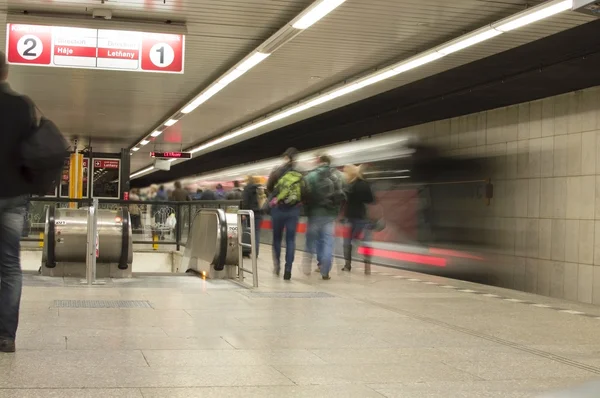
pixel 117 109
pixel 557 64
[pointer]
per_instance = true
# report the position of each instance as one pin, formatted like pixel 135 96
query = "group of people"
pixel 325 193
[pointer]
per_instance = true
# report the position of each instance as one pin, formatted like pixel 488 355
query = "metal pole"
pixel 94 237
pixel 240 248
pixel 178 218
pixel 253 249
pixel 91 247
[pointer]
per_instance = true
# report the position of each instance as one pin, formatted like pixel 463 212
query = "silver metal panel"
pixel 204 241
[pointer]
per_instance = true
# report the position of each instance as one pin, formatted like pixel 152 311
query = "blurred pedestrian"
pixel 180 194
pixel 251 200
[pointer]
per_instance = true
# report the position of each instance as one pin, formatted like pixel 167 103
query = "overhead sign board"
pixel 171 155
pixel 67 47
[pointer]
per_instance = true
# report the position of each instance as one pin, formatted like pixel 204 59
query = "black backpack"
pixel 43 154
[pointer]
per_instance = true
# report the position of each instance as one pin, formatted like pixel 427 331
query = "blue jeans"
pixel 284 218
pixel 257 222
pixel 320 237
pixel 11 277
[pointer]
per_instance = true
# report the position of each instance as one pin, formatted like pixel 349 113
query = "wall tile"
pixel 547 157
pixel 510 123
pixel 469 131
pixel 455 133
pixel 533 237
pixel 544 277
pixel 547 117
pixel 597 243
pixel 545 235
pixel 560 197
pixel 535 120
pixel 557 279
pixel 510 209
pixel 574 154
pixel 493 133
pixel 521 198
pixel 586 280
pixel 587 200
pixel 596 286
pixel 498 154
pixel 572 241
pixel 512 159
pixel 481 128
pixel 535 157
pixel 547 198
pixel 533 198
pixel 519 272
pixel 531 275
pixel 558 239
pixel 521 237
pixel 574 99
pixel 560 156
pixel 508 226
pixel 573 197
pixel 442 133
pixel 586 241
pixel 598 151
pixel 589 107
pixel 522 159
pixel 597 198
pixel 571 281
pixel 588 152
pixel 524 121
pixel 561 114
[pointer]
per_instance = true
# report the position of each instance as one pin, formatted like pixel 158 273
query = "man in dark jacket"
pixel 17 121
pixel 235 193
pixel 283 216
pixel 250 202
pixel 180 194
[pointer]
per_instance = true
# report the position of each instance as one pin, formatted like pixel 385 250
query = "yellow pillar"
pixel 75 178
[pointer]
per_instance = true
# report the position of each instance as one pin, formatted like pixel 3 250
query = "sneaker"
pixel 276 270
pixel 326 277
pixel 7 345
pixel 318 268
pixel 347 268
pixel 287 276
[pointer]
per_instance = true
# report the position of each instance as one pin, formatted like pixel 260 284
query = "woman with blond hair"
pixel 358 196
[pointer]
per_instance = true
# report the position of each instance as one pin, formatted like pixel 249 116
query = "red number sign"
pixel 162 52
pixel 29 44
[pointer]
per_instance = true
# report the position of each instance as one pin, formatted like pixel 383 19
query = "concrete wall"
pixel 545 217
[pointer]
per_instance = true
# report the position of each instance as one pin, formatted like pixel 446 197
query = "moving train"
pixel 433 205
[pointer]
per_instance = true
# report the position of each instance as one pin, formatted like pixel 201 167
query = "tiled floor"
pixel 391 334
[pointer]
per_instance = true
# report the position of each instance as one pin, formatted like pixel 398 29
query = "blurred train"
pixel 433 205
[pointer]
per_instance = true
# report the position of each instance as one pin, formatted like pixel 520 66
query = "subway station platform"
pixel 391 334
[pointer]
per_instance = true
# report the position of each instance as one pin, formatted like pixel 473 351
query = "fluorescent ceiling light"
pixel 146 170
pixel 468 41
pixel 202 98
pixel 252 61
pixel 156 133
pixel 417 61
pixel 144 142
pixel 170 122
pixel 316 13
pixel 231 76
pixel 535 14
pixel 135 149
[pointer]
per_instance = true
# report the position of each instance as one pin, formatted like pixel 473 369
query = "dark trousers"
pixel 12 211
pixel 284 218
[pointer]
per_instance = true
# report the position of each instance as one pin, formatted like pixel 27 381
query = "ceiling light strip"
pixel 531 15
pixel 307 18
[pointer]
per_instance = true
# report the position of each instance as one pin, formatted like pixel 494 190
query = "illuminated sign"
pixel 66 47
pixel 171 155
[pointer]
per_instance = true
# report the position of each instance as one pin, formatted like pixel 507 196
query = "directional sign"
pixel 95 48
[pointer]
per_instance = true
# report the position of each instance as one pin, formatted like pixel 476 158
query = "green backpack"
pixel 289 188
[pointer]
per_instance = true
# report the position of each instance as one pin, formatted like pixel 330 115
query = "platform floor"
pixel 391 334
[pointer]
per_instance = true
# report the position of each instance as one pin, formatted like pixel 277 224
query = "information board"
pixel 57 46
pixel 106 181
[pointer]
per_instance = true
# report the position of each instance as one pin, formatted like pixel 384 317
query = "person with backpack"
pixel 32 156
pixel 236 193
pixel 359 195
pixel 251 200
pixel 325 191
pixel 285 198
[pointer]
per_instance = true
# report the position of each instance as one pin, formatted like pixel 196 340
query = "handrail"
pixel 252 245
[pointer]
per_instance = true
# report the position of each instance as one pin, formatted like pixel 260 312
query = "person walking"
pixel 180 194
pixel 251 199
pixel 17 122
pixel 285 198
pixel 325 191
pixel 358 196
